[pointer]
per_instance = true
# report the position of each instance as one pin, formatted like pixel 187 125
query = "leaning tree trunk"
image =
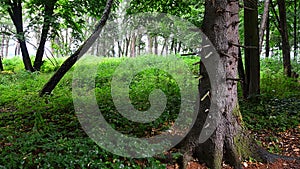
pixel 263 24
pixel 285 39
pixel 229 142
pixel 66 66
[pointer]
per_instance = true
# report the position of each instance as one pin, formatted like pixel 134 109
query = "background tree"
pixel 189 10
pixel 252 64
pixel 48 12
pixel 285 38
pixel 15 11
pixel 263 24
pixel 295 30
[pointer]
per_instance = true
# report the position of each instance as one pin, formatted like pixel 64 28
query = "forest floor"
pixel 288 143
pixel 45 132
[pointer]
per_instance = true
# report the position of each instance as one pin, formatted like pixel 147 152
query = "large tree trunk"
pixel 263 24
pixel 230 141
pixel 66 66
pixel 252 64
pixel 49 7
pixel 15 12
pixel 285 39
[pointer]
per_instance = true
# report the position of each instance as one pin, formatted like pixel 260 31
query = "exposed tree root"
pixel 268 157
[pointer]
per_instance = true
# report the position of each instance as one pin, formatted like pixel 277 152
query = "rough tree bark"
pixel 285 39
pixel 15 12
pixel 49 10
pixel 230 141
pixel 263 24
pixel 252 65
pixel 66 66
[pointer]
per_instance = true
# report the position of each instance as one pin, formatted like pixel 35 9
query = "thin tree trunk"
pixel 49 7
pixel 155 45
pixel 66 66
pixel 268 37
pixel 1 65
pixel 285 39
pixel 263 24
pixel 121 53
pixel 15 12
pixel 167 47
pixel 164 46
pixel 139 36
pixel 2 52
pixel 295 31
pixel 242 76
pixel 2 45
pixel 179 47
pixel 17 49
pixel 175 46
pixel 113 52
pixel 150 45
pixel 127 43
pixel 172 45
pixel 252 58
pixel 133 47
pixel 7 46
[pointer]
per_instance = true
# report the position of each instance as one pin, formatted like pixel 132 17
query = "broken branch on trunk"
pixel 233 79
pixel 242 46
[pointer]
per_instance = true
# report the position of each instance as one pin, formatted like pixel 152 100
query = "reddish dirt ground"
pixel 288 143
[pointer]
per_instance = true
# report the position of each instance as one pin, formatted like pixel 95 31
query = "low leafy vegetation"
pixel 44 132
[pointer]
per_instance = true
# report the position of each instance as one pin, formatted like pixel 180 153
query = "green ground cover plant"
pixel 45 132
